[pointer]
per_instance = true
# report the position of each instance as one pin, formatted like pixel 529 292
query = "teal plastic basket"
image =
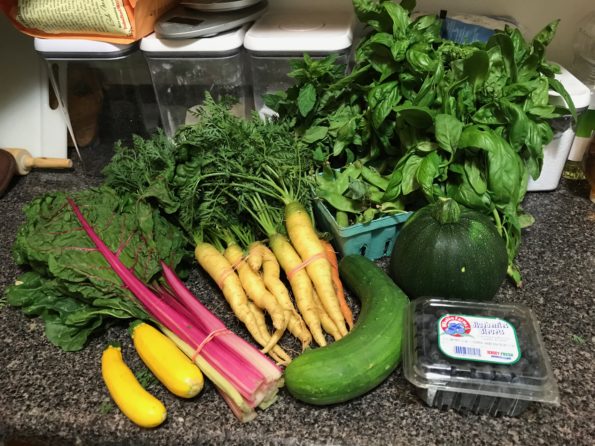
pixel 373 240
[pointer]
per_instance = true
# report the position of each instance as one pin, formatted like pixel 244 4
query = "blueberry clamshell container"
pixel 476 357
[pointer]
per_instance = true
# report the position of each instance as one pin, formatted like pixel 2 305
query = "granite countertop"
pixel 51 397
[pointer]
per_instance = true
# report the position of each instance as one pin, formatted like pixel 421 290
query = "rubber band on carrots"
pixel 305 263
pixel 225 274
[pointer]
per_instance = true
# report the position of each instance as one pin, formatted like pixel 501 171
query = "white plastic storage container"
pixel 92 75
pixel 556 152
pixel 477 357
pixel 279 37
pixel 183 70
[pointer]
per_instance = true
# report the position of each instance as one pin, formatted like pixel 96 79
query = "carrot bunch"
pixel 290 278
pixel 270 281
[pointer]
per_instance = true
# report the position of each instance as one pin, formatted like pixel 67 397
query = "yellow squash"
pixel 133 400
pixel 167 362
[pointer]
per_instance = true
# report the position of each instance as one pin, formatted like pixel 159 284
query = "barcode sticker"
pixel 468 351
pixel 475 338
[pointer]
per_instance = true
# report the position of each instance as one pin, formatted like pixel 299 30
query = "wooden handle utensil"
pixel 25 162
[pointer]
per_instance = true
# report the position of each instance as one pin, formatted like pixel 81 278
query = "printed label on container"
pixel 475 338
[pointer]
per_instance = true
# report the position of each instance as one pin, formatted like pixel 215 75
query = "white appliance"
pixel 29 114
pixel 556 152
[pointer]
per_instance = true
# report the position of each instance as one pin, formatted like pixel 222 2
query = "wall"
pixel 531 14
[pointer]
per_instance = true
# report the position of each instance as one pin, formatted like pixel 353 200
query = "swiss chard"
pixel 69 285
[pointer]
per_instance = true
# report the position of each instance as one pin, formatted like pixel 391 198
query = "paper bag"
pixel 116 21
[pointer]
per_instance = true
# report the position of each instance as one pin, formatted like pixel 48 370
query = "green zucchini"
pixel 366 356
pixel 446 250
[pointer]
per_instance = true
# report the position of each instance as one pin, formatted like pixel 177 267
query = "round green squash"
pixel 446 250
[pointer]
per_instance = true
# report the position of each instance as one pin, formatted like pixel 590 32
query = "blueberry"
pixel 431 335
pixel 426 320
pixel 460 371
pixel 514 321
pixel 502 375
pixel 522 365
pixel 441 312
pixel 483 372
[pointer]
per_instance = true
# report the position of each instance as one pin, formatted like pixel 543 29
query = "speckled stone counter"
pixel 51 397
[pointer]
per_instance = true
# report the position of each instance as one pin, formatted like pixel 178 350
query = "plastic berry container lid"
pixel 481 357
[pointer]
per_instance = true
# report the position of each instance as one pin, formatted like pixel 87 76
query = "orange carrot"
pixel 304 238
pixel 331 255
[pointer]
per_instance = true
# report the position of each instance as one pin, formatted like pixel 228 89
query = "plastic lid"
pixel 477 348
pixel 579 92
pixel 82 49
pixel 221 43
pixel 299 32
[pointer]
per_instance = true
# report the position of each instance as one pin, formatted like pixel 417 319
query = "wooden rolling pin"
pixel 25 162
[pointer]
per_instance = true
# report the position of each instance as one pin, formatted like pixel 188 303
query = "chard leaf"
pixel 72 287
pixel 69 338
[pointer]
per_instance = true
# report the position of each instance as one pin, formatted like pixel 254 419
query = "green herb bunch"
pixel 436 118
pixel 204 176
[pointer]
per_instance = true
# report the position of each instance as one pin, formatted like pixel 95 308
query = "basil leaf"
pixel 506 45
pixel 340 202
pixel 557 86
pixel 399 17
pixel 489 114
pixel 518 128
pixel 382 99
pixel 418 117
pixel 448 131
pixel 306 99
pixel 427 171
pixel 409 183
pixel 474 176
pixel 476 68
pixel 315 133
pixel 504 167
pixel 545 36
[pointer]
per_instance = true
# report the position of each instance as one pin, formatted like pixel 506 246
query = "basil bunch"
pixel 442 119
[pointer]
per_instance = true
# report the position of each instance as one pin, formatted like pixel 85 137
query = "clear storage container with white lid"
pixel 183 70
pixel 477 357
pixel 280 37
pixel 94 77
